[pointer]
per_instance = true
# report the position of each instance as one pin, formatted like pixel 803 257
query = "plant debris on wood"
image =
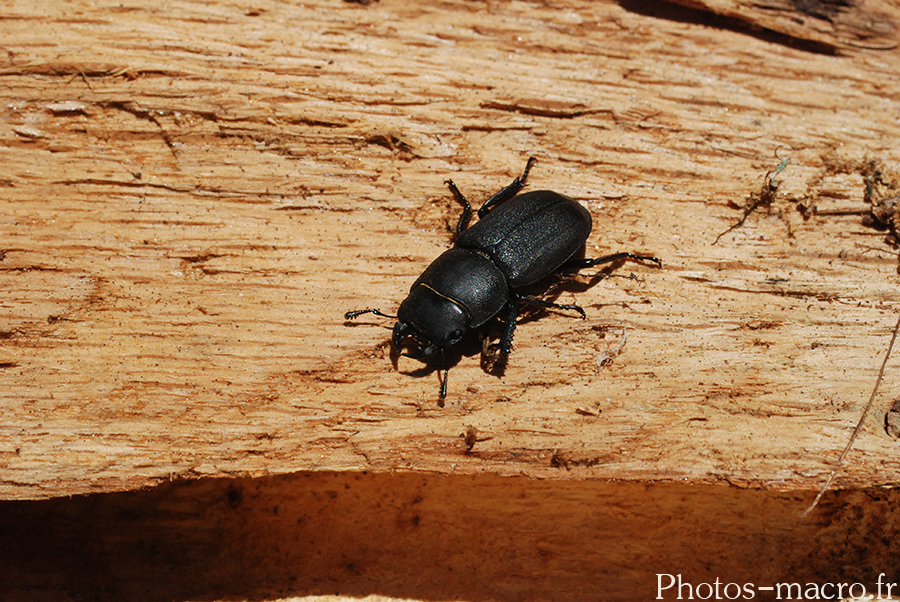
pixel 881 194
pixel 762 198
pixel 883 197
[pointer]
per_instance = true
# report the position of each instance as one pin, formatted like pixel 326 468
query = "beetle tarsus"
pixel 443 393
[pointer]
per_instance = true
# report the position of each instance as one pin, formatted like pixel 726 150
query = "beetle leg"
pixel 467 208
pixel 508 192
pixel 578 264
pixel 509 330
pixel 548 304
pixel 443 393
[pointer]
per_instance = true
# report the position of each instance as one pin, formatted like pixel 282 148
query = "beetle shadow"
pixel 468 347
pixel 486 343
pixel 749 25
pixel 452 357
pixel 548 289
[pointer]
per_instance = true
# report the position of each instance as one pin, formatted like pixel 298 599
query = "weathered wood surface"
pixel 192 195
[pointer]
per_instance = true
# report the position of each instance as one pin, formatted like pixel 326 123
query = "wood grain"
pixel 193 195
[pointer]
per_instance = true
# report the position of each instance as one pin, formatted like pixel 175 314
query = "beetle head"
pixel 433 320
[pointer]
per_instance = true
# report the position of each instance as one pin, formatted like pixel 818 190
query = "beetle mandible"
pixel 517 241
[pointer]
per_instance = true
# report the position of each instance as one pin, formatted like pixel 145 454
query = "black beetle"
pixel 517 241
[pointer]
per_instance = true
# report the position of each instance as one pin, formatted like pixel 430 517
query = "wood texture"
pixel 192 196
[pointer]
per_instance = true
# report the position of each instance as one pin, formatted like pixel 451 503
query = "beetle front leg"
pixel 509 329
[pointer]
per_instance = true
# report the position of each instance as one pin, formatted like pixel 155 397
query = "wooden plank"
pixel 193 196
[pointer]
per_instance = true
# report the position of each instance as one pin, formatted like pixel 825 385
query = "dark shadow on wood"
pixel 433 537
pixel 672 11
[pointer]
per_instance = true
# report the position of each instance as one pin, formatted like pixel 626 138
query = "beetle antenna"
pixel 353 314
